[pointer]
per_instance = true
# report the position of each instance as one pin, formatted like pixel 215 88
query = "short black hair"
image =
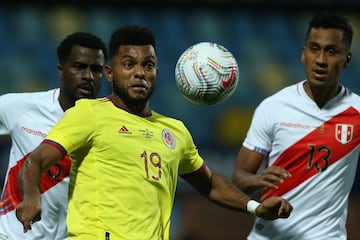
pixel 130 35
pixel 83 39
pixel 332 20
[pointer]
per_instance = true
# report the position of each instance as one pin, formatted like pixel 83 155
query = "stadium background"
pixel 265 38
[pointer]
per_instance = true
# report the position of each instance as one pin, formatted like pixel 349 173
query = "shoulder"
pixel 93 106
pixel 351 94
pixel 30 97
pixel 171 124
pixel 25 100
pixel 170 120
pixel 291 90
pixel 92 103
pixel 351 98
pixel 89 102
pixel 96 101
pixel 280 97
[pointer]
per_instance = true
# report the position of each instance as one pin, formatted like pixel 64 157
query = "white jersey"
pixel 320 148
pixel 27 117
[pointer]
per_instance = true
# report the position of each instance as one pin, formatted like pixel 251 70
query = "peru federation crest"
pixel 344 132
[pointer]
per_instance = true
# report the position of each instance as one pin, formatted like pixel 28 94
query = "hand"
pixel 273 208
pixel 271 176
pixel 28 212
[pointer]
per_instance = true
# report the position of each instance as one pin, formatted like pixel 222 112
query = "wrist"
pixel 251 206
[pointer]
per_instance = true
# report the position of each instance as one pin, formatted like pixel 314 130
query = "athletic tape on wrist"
pixel 251 206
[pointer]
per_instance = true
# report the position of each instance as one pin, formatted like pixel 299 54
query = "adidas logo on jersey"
pixel 124 130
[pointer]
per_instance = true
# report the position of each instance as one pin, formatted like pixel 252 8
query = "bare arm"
pixel 29 210
pixel 217 189
pixel 245 174
pixel 222 192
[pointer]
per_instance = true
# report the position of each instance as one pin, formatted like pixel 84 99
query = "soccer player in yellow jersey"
pixel 126 157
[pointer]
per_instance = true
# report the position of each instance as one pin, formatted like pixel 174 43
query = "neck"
pixel 65 103
pixel 321 95
pixel 140 109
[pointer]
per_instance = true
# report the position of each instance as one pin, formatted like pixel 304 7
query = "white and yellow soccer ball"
pixel 206 73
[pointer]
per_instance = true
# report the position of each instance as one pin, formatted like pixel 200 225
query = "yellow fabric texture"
pixel 124 170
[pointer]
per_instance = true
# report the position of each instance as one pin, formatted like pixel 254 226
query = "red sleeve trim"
pixel 57 146
pixel 197 172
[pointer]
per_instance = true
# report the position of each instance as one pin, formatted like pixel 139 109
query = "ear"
pixel 303 55
pixel 347 62
pixel 60 69
pixel 108 73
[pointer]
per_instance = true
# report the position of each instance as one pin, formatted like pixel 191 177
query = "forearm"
pixel 223 193
pixel 245 171
pixel 35 164
pixel 247 182
pixel 29 178
pixel 226 194
pixel 29 209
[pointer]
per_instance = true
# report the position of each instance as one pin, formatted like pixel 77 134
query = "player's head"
pixel 130 35
pixel 327 49
pixel 328 20
pixel 82 57
pixel 133 66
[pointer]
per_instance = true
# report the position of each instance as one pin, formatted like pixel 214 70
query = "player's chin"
pixel 88 95
pixel 84 93
pixel 139 99
pixel 139 94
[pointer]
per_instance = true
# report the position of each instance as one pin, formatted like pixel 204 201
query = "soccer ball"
pixel 206 73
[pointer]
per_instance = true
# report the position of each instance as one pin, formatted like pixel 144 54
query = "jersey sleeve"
pixel 12 106
pixel 191 160
pixel 259 135
pixel 76 127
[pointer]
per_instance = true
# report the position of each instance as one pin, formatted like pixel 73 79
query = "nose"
pixel 88 74
pixel 321 58
pixel 139 71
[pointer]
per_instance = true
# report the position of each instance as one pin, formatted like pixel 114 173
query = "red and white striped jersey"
pixel 320 148
pixel 28 117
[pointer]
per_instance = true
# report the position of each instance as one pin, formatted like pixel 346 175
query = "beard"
pixel 129 100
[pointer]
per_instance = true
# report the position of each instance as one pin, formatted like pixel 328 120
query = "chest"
pixel 135 148
pixel 32 127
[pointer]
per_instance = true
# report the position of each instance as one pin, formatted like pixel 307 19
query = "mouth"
pixel 139 86
pixel 86 89
pixel 320 73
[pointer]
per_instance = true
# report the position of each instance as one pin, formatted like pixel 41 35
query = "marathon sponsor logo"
pixel 295 125
pixel 34 132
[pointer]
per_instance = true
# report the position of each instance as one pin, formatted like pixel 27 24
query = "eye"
pixel 78 66
pixel 149 65
pixel 331 52
pixel 97 68
pixel 127 64
pixel 314 49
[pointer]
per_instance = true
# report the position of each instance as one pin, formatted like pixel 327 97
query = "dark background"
pixel 266 39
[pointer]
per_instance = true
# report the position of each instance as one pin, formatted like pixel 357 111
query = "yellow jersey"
pixel 124 170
